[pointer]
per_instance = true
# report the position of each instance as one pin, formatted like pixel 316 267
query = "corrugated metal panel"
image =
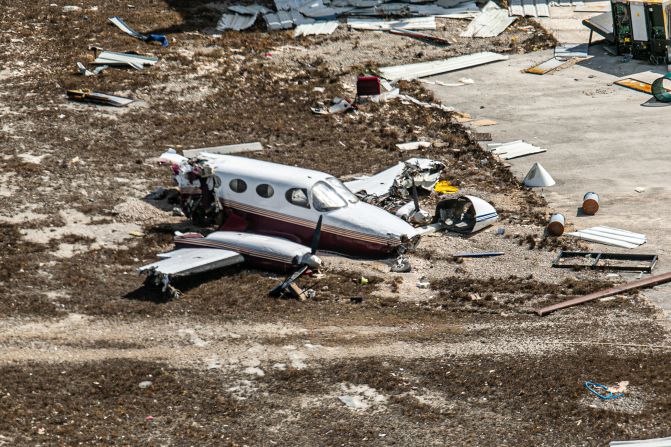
pixel 249 10
pixel 415 23
pixel 610 236
pixel 414 71
pixel 492 22
pixel 529 8
pixel 286 20
pixel 514 149
pixel 316 28
pixel 236 22
pixel 287 5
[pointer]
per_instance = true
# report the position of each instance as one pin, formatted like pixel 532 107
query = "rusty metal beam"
pixel 650 281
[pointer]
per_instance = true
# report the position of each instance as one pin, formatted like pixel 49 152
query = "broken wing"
pixel 187 261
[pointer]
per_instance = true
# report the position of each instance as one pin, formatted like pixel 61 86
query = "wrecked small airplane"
pixel 269 213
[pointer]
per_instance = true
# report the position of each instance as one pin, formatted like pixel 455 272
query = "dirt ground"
pixel 90 356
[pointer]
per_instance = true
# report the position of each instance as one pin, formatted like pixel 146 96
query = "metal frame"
pixel 651 260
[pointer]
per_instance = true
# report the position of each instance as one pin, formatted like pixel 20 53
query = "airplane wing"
pixel 187 261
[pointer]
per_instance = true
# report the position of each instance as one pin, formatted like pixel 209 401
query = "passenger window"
pixel 264 190
pixel 298 197
pixel 238 185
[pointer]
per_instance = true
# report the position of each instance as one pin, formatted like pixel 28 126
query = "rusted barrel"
pixel 556 225
pixel 590 203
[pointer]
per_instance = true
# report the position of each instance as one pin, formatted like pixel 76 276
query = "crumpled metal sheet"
pixel 286 20
pixel 236 22
pixel 492 22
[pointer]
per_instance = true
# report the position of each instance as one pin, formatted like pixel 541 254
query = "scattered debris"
pixel 136 61
pixel 428 105
pixel 492 22
pixel 423 69
pixel 317 28
pixel 660 93
pixel 556 225
pixel 605 261
pixel 445 187
pixel 514 149
pixel 547 66
pixel 98 98
pixel 571 50
pixel 484 254
pixel 236 22
pixel 650 281
pixel 145 384
pixel 482 122
pixel 119 23
pixel 420 36
pixel 413 146
pixel 338 105
pixel 225 150
pixel 657 442
pixel 466 214
pixel 412 23
pixel 85 72
pixel 538 177
pixel 529 8
pixel 605 392
pixel 610 236
pixel 423 283
pixel 590 203
pixel 71 8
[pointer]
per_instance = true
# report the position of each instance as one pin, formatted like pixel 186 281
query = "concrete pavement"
pixel 598 138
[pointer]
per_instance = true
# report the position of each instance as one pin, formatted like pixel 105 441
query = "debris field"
pixel 450 353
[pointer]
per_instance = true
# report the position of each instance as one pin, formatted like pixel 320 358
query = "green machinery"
pixel 642 29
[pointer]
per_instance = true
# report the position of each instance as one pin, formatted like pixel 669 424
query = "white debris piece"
pixel 492 22
pixel 514 149
pixel 413 23
pixel 316 28
pixel 413 145
pixel 115 59
pixel 610 236
pixel 414 71
pixel 538 177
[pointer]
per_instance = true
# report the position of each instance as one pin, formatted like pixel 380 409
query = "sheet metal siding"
pixel 414 71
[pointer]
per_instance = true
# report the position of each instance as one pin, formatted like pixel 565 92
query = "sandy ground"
pixel 89 355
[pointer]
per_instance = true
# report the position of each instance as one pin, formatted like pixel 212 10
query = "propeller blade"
pixel 415 196
pixel 316 235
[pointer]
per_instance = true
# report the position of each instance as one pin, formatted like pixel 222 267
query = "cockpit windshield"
pixel 325 197
pixel 342 190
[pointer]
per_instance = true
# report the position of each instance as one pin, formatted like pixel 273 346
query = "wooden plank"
pixel 650 281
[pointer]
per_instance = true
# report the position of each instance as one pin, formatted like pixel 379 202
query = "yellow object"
pixel 445 187
pixel 363 281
